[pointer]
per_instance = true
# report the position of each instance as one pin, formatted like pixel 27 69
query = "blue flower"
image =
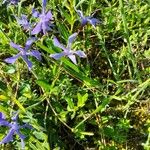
pixel 87 19
pixel 67 50
pixel 43 25
pixel 14 129
pixel 24 53
pixel 23 21
pixel 14 2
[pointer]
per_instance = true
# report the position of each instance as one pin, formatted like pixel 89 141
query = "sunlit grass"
pixel 101 103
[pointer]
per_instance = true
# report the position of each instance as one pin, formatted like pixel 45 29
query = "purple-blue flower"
pixel 24 53
pixel 14 2
pixel 14 129
pixel 23 21
pixel 44 24
pixel 87 19
pixel 67 51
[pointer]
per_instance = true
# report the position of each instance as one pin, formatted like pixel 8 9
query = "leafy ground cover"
pixel 88 92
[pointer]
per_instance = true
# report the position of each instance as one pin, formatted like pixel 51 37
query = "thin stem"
pixel 48 102
pixel 102 41
pixel 58 116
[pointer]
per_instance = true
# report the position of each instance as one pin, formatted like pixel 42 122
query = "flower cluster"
pixel 44 25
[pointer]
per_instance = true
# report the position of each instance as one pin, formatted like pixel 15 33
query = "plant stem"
pixel 131 56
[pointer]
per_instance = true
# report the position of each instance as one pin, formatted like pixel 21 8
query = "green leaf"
pixel 147 54
pixel 3 37
pixel 10 69
pixel 81 99
pixel 19 104
pixel 4 98
pixel 39 135
pixel 70 103
pixel 67 16
pixel 63 31
pixel 43 84
pixel 102 106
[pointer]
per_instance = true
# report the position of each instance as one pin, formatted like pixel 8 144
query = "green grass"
pixel 101 103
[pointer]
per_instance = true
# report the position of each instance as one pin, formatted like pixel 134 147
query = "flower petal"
pixel 44 3
pixel 71 39
pixel 37 29
pixel 4 123
pixel 80 13
pixel 29 43
pixel 80 53
pixel 2 115
pixel 20 135
pixel 28 62
pixel 35 13
pixel 22 144
pixel 57 55
pixel 26 126
pixel 15 116
pixel 8 137
pixel 45 27
pixel 22 20
pixel 73 58
pixel 14 1
pixel 83 21
pixel 93 21
pixel 57 44
pixel 12 60
pixel 18 47
pixel 35 54
pixel 49 15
